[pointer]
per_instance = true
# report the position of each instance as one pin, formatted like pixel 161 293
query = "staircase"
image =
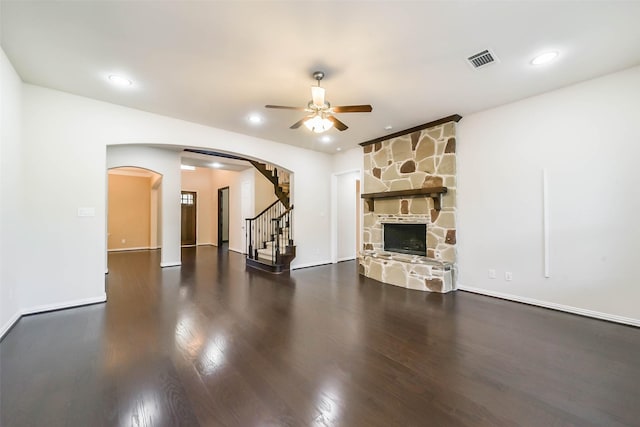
pixel 270 233
pixel 279 179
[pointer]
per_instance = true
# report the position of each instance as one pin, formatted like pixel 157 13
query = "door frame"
pixel 220 214
pixel 334 212
pixel 195 218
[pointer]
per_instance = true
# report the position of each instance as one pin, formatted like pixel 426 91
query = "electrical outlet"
pixel 492 273
pixel 508 276
pixel 438 256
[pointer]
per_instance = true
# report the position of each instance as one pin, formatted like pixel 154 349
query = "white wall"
pixel 347 167
pixel 587 137
pixel 234 180
pixel 64 142
pixel 167 164
pixel 348 160
pixel 264 193
pixel 236 209
pixel 346 215
pixel 64 154
pixel 11 193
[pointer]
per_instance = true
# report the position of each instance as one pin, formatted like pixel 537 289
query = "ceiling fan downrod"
pixel 318 75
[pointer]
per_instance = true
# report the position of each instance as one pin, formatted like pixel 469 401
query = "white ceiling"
pixel 217 62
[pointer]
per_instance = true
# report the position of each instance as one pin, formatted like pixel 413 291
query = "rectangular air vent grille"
pixel 482 59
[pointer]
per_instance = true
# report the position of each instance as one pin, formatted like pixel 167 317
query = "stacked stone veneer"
pixel 421 159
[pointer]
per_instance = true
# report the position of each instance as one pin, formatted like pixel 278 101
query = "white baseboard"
pixel 62 305
pixel 310 264
pixel 205 244
pixel 240 251
pixel 559 307
pixel 170 264
pixel 348 258
pixel 50 307
pixel 141 248
pixel 7 326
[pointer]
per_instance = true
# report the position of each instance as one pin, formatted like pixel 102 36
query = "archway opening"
pixel 133 209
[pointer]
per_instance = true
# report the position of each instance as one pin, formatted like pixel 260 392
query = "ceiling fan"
pixel 321 114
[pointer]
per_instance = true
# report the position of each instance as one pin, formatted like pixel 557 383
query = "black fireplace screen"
pixel 406 238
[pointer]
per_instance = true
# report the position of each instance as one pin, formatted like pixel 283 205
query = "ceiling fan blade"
pixel 317 94
pixel 338 124
pixel 299 123
pixel 282 107
pixel 353 109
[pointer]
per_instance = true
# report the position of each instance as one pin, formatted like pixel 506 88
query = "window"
pixel 186 199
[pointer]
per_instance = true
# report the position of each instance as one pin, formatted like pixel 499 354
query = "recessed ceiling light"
pixel 187 167
pixel 255 119
pixel 216 165
pixel 545 58
pixel 388 127
pixel 326 139
pixel 338 149
pixel 120 81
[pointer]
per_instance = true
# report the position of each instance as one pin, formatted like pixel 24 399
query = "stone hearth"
pixel 420 159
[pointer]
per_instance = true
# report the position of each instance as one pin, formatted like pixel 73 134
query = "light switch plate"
pixel 86 211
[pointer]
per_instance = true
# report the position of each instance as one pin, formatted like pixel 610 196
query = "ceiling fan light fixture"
pixel 317 95
pixel 318 124
pixel 320 114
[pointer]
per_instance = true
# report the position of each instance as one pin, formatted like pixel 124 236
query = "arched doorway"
pixel 133 209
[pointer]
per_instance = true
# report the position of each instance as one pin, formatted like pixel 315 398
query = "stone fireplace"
pixel 410 181
pixel 406 238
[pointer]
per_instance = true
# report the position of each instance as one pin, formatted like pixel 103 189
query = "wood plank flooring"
pixel 211 344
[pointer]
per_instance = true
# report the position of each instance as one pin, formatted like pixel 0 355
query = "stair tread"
pixel 268 251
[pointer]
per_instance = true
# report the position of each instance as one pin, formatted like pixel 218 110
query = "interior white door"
pixel 346 216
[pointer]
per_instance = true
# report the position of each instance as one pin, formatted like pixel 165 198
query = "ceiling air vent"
pixel 482 59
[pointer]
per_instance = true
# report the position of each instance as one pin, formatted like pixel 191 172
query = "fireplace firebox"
pixel 405 238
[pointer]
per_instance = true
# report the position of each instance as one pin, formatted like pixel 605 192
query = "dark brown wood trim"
pixel 453 118
pixel 434 192
pixel 404 193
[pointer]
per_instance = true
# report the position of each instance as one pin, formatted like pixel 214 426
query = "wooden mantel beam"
pixel 434 192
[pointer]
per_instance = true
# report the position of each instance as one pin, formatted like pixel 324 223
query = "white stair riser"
pixel 283 244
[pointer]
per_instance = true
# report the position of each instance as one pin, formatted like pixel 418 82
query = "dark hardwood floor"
pixel 210 344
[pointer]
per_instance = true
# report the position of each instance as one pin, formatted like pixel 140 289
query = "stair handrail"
pixel 265 209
